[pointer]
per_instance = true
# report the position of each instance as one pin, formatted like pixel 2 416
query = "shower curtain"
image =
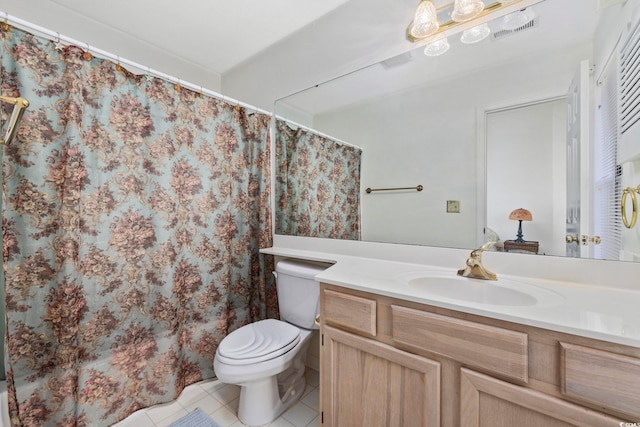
pixel 133 214
pixel 317 186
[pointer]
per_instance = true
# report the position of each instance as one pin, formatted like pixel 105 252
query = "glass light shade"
pixel 475 34
pixel 465 10
pixel 437 47
pixel 425 20
pixel 515 20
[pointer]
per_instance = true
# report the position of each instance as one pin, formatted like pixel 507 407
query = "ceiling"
pixel 253 50
pixel 215 34
pixel 412 69
pixel 230 46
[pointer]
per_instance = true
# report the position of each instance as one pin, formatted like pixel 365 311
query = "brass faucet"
pixel 474 268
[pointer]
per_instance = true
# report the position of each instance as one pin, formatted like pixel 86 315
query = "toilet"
pixel 267 358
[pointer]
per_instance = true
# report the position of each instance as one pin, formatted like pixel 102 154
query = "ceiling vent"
pixel 500 33
pixel 397 61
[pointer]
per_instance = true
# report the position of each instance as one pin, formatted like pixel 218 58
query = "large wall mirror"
pixel 516 138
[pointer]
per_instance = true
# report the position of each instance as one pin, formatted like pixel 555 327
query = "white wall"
pixel 433 142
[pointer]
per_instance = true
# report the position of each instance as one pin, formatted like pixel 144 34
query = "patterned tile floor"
pixel 220 402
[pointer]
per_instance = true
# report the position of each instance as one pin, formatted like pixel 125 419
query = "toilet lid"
pixel 257 342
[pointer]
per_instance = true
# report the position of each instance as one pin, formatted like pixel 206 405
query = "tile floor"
pixel 220 402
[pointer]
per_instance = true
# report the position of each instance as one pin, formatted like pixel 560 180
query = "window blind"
pixel 608 174
pixel 630 81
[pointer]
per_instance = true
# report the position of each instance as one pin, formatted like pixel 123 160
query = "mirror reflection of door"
pixel 578 211
pixel 574 203
pixel 534 134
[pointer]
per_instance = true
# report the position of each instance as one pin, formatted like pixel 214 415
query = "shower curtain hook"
pixel 88 56
pixel 177 86
pixel 58 43
pixel 5 23
pixel 149 75
pixel 118 66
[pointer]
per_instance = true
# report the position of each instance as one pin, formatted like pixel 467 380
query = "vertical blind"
pixel 608 174
pixel 630 81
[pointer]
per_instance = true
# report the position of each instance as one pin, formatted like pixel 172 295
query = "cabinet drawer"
pixel 489 348
pixel 487 401
pixel 601 378
pixel 349 311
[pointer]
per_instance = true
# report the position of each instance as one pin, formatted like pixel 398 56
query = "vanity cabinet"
pixel 391 362
pixel 374 384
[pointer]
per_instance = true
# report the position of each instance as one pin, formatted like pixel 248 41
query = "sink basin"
pixel 503 292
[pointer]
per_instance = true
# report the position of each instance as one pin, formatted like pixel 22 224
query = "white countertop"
pixel 605 313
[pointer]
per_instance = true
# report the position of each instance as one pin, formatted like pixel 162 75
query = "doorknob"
pixel 586 240
pixel 572 239
pixel 583 239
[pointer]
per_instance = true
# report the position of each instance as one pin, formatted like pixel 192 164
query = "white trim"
pixel 481 150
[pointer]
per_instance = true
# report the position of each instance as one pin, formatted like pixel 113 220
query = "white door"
pixel 578 158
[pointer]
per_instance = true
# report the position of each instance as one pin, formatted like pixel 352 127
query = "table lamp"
pixel 520 215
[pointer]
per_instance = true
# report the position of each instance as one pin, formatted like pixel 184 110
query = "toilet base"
pixel 263 401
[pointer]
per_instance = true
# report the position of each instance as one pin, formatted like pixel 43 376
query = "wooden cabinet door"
pixel 489 402
pixel 367 383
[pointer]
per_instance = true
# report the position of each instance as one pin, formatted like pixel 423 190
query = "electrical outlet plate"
pixel 453 206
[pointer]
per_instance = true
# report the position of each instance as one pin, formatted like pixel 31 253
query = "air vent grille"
pixel 630 82
pixel 500 34
pixel 397 61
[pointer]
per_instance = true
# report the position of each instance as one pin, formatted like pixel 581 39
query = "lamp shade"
pixel 437 47
pixel 425 20
pixel 521 215
pixel 475 34
pixel 515 20
pixel 466 10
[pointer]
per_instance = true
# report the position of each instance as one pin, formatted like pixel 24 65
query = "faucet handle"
pixel 488 246
pixel 474 268
pixel 477 253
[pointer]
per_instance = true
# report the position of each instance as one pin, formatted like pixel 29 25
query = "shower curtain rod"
pixel 52 35
pixel 318 133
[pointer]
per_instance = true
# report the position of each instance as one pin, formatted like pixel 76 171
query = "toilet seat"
pixel 258 342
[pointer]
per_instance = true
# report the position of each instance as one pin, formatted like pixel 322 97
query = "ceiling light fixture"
pixel 425 20
pixel 475 34
pixel 437 47
pixel 429 22
pixel 466 10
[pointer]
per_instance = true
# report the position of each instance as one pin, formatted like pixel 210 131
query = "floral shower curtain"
pixel 132 218
pixel 317 187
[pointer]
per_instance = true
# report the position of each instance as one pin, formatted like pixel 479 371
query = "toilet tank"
pixel 298 293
